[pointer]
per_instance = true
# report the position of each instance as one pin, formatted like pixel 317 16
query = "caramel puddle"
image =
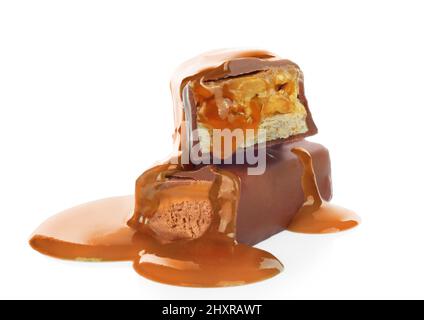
pixel 98 231
pixel 205 262
pixel 95 231
pixel 316 215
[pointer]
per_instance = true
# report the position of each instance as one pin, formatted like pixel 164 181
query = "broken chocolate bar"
pixel 258 97
pixel 193 222
pixel 177 204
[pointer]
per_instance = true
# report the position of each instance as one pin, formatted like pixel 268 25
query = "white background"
pixel 84 87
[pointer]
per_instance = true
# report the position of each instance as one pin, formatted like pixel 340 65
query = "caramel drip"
pixel 98 231
pixel 317 215
pixel 147 185
pixel 159 184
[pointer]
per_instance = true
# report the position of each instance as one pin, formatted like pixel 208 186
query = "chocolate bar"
pixel 194 222
pixel 240 92
pixel 176 204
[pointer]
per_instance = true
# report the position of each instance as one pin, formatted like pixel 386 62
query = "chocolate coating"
pixel 269 202
pixel 221 65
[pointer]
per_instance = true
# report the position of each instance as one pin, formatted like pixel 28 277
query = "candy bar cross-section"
pixel 253 95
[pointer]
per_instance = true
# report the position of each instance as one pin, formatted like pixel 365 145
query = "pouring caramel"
pixel 316 215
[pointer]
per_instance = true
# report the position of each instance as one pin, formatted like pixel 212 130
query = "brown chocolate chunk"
pixel 225 199
pixel 240 91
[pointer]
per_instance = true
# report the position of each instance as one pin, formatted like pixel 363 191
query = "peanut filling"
pixel 246 102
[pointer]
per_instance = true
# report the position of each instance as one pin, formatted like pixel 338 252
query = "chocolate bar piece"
pixel 176 204
pixel 257 96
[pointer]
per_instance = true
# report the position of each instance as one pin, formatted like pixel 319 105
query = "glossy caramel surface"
pixel 97 231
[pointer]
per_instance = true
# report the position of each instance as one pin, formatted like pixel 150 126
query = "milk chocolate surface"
pixel 269 202
pixel 251 207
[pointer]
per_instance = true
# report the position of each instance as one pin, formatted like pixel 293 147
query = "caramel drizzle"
pixel 313 199
pixel 146 201
pixel 316 215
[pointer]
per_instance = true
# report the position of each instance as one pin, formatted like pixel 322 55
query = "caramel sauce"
pixel 161 185
pixel 243 102
pixel 93 231
pixel 316 215
pixel 146 200
pixel 99 231
pixel 236 119
pixel 206 262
